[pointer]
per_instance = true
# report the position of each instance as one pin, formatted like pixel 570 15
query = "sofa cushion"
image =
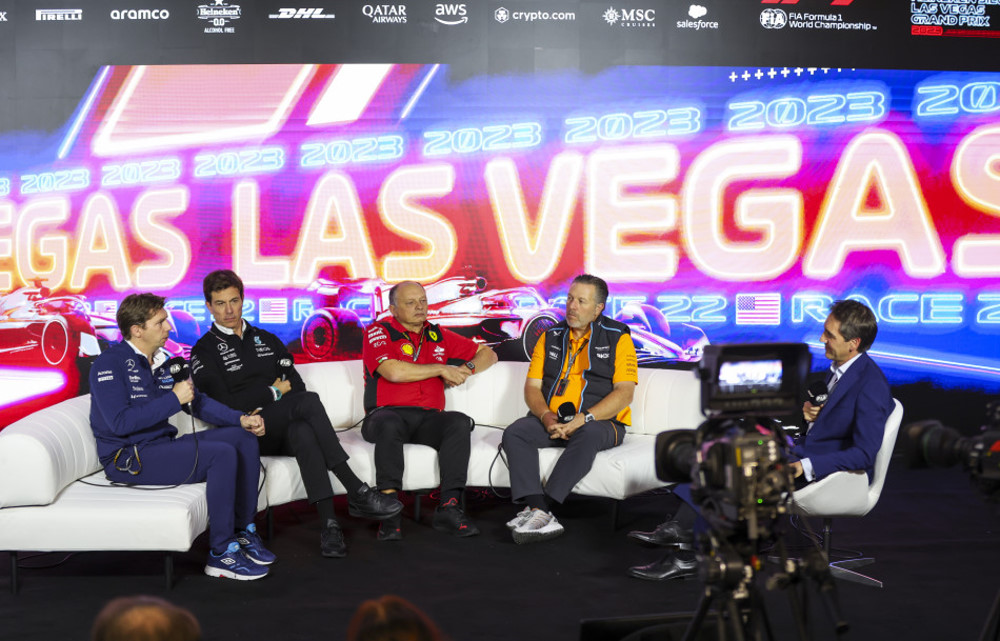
pixel 44 452
pixel 108 518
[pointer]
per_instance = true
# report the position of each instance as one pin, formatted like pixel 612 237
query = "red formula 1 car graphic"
pixel 461 303
pixel 39 329
pixel 511 320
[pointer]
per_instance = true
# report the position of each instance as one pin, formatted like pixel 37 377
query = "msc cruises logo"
pixel 450 14
pixel 624 17
pixel 46 15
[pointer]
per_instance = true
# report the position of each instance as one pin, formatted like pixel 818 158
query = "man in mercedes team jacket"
pixel 250 369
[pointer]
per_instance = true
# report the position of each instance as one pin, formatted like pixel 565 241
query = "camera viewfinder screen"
pixel 749 377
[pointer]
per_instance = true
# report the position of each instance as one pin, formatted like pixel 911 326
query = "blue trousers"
pixel 227 458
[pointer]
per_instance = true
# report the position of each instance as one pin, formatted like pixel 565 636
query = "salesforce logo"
pixel 140 14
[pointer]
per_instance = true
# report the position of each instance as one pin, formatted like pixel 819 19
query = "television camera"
pixel 930 443
pixel 741 482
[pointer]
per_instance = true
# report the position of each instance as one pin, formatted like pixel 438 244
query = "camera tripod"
pixel 731 582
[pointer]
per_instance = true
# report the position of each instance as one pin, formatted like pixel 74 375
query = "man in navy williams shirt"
pixel 133 395
pixel 845 433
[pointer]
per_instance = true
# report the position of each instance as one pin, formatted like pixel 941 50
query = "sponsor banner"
pixel 533 13
pixel 385 13
pixel 956 19
pixel 451 13
pixel 58 15
pixel 302 13
pixel 220 16
pixel 140 14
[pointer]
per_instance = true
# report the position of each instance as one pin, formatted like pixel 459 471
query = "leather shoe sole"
pixel 664 535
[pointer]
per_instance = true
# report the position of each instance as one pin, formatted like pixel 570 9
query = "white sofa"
pixel 49 467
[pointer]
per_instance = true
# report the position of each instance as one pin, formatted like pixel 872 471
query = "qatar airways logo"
pixel 385 13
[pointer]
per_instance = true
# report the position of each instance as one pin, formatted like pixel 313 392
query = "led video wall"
pixel 719 204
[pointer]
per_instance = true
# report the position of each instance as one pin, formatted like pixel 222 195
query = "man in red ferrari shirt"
pixel 408 363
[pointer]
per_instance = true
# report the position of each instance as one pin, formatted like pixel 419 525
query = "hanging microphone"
pixel 285 366
pixel 179 369
pixel 818 393
pixel 566 413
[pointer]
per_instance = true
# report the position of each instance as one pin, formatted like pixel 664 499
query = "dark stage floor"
pixel 936 541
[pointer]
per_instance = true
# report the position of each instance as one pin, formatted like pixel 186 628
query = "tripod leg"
pixel 699 616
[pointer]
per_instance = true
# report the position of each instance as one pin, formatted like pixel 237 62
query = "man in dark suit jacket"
pixel 845 433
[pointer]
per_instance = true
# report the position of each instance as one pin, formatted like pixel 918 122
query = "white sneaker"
pixel 540 526
pixel 519 519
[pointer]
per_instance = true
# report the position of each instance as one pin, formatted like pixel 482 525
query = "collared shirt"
pixel 231 332
pixel 423 348
pixel 625 370
pixel 159 357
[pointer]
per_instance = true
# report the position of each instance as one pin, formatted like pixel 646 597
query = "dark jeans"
pixel 227 459
pixel 298 426
pixel 447 432
pixel 525 436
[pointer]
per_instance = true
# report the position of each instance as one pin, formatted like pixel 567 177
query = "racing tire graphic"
pixel 534 329
pixel 330 333
pixel 55 341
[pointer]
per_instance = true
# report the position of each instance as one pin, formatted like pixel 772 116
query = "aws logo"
pixel 450 14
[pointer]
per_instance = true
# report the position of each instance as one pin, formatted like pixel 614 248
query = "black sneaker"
pixel 331 541
pixel 372 504
pixel 449 517
pixel 391 529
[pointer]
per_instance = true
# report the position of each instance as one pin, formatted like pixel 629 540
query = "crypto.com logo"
pixel 834 3
pixel 502 15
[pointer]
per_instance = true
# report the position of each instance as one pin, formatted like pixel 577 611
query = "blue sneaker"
pixel 234 564
pixel 253 547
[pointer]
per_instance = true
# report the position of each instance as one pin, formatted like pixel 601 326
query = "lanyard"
pixel 420 345
pixel 564 381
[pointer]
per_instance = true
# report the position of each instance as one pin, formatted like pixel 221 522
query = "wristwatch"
pixel 588 417
pixel 470 365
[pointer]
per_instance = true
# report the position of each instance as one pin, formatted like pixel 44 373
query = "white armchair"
pixel 843 494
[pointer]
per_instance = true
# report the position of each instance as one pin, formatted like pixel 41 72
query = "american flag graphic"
pixel 274 310
pixel 758 309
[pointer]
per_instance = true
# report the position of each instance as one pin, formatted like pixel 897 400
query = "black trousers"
pixel 298 426
pixel 389 428
pixel 525 436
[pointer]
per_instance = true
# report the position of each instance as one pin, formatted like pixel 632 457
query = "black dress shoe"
pixel 391 529
pixel 367 503
pixel 667 533
pixel 331 540
pixel 669 567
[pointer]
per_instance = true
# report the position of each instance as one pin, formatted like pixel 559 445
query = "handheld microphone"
pixel 566 413
pixel 179 369
pixel 285 366
pixel 818 393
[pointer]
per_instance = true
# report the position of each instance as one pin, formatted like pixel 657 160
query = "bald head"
pixel 408 304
